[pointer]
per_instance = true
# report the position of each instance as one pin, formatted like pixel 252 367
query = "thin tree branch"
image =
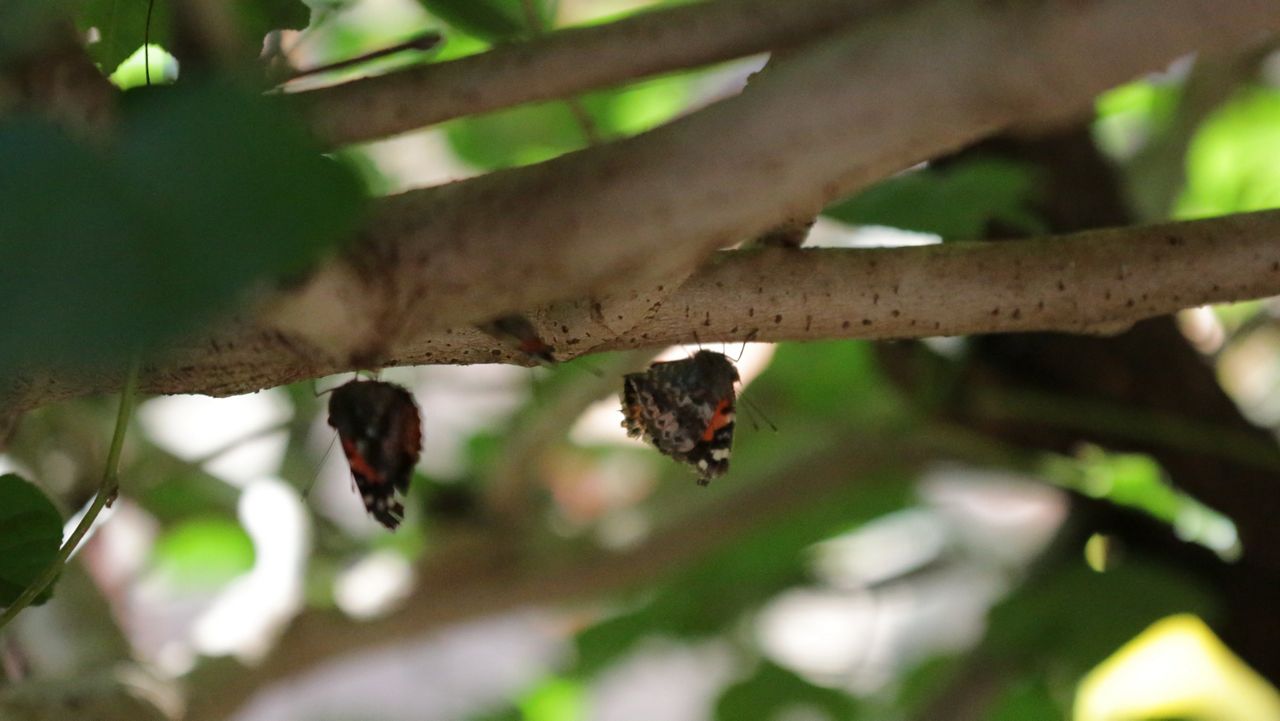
pixel 569 62
pixel 1087 282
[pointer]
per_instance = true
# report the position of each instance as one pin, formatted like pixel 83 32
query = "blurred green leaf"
pixel 122 28
pixel 956 201
pixel 132 73
pixel 208 191
pixel 1076 617
pixel 534 133
pixel 1233 164
pixel 203 553
pixel 712 595
pixel 27 25
pixel 1130 115
pixel 492 20
pixel 184 495
pixel 772 690
pixel 259 17
pixel 556 699
pixel 30 535
pixel 827 380
pixel 1028 699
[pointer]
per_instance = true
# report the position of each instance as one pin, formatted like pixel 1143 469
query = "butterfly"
pixel 685 408
pixel 380 429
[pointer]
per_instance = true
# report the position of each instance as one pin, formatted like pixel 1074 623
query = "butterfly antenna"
pixel 315 475
pixel 750 337
pixel 754 411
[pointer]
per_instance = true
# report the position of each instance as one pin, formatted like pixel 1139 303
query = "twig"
pixel 106 494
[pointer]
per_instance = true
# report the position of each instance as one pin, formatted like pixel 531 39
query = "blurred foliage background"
pixel 962 528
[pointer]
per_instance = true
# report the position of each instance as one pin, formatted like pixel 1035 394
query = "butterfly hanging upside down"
pixel 685 408
pixel 381 433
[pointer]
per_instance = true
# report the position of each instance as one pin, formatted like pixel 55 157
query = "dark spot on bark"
pixel 733 329
pixel 1215 288
pixel 1128 303
pixel 1173 240
pixel 866 321
pixel 808 322
pixel 1062 286
pixel 564 328
pixel 1017 313
pixel 661 288
pixel 1040 305
pixel 995 312
pixel 895 313
pixel 845 325
pixel 777 319
pixel 1275 267
pixel 751 312
pixel 495 353
pixel 875 299
pixel 1107 295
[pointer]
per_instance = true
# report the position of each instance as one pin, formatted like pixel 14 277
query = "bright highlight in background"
pixel 1177 668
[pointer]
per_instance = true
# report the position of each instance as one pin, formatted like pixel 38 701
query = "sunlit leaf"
pixel 956 202
pixel 30 535
pixel 1232 162
pixel 203 553
pixel 121 27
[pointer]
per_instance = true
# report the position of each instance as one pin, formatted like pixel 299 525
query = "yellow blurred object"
pixel 1177 668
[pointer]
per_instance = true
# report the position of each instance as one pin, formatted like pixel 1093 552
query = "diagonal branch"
pixel 829 120
pixel 569 62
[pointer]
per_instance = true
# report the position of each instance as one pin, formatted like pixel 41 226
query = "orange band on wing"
pixel 719 419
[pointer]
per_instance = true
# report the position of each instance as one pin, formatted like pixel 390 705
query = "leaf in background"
pixel 534 133
pixel 208 192
pixel 491 20
pixel 122 26
pixel 772 690
pixel 26 25
pixel 957 201
pixel 1075 618
pixel 1232 162
pixel 30 535
pixel 711 596
pixel 203 553
pixel 555 699
pixel 1028 699
pixel 259 17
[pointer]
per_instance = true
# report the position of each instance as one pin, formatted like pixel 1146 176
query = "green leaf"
pixel 773 690
pixel 122 28
pixel 492 20
pixel 556 699
pixel 1232 161
pixel 259 17
pixel 957 201
pixel 122 24
pixel 534 133
pixel 208 192
pixel 203 553
pixel 1075 618
pixel 1029 699
pixel 30 535
pixel 712 595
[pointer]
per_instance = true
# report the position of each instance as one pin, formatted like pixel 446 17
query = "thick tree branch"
pixel 569 62
pixel 831 119
pixel 1093 282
